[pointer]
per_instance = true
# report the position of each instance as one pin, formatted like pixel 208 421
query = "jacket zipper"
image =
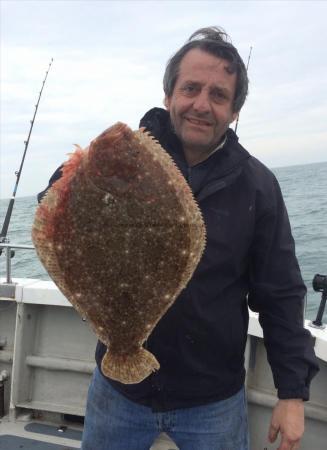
pixel 189 175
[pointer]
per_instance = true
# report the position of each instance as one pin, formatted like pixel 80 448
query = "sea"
pixel 304 189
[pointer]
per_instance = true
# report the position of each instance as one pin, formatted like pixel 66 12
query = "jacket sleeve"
pixel 56 175
pixel 277 293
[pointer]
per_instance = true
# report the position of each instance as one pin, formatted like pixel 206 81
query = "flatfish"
pixel 121 235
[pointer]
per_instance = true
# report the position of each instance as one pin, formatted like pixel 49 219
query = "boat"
pixel 45 374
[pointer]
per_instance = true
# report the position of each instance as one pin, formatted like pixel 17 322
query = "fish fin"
pixel 129 369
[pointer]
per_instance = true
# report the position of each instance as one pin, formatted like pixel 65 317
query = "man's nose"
pixel 201 102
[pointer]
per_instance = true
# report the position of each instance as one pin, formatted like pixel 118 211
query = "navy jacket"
pixel 249 260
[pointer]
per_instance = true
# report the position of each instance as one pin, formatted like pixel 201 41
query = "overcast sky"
pixel 109 58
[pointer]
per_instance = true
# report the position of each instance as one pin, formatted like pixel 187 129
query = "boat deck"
pixel 28 434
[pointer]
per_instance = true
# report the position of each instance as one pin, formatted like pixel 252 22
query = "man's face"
pixel 201 105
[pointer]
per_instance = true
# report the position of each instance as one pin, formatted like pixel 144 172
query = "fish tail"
pixel 129 368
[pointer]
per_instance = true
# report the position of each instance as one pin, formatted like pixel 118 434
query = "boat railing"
pixel 9 253
pixel 7 288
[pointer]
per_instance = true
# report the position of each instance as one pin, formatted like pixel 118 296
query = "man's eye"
pixel 189 89
pixel 218 95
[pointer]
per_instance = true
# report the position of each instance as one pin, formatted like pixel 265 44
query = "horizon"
pixel 270 168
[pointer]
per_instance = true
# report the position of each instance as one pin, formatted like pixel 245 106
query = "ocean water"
pixel 305 193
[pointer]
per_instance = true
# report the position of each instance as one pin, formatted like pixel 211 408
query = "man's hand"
pixel 288 420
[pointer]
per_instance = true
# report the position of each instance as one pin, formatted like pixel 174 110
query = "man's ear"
pixel 167 102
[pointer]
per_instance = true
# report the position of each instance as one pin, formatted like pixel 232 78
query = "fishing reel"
pixel 5 240
pixel 319 284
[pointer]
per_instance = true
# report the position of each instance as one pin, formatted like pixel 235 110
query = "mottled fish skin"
pixel 121 235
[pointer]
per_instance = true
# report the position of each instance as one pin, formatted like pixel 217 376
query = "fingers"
pixel 288 420
pixel 288 444
pixel 273 432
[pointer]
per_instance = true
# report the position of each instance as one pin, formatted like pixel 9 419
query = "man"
pixel 197 396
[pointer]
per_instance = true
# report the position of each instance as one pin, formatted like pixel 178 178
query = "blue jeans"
pixel 113 422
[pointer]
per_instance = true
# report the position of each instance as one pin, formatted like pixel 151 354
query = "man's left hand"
pixel 288 420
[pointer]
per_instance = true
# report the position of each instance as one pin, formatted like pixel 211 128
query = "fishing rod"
pixel 6 222
pixel 247 68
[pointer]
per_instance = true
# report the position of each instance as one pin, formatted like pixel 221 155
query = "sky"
pixel 108 62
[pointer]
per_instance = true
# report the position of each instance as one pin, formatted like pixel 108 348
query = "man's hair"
pixel 215 41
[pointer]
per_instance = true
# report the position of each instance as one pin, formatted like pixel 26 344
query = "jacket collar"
pixel 231 156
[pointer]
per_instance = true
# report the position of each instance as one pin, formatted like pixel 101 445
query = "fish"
pixel 120 234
